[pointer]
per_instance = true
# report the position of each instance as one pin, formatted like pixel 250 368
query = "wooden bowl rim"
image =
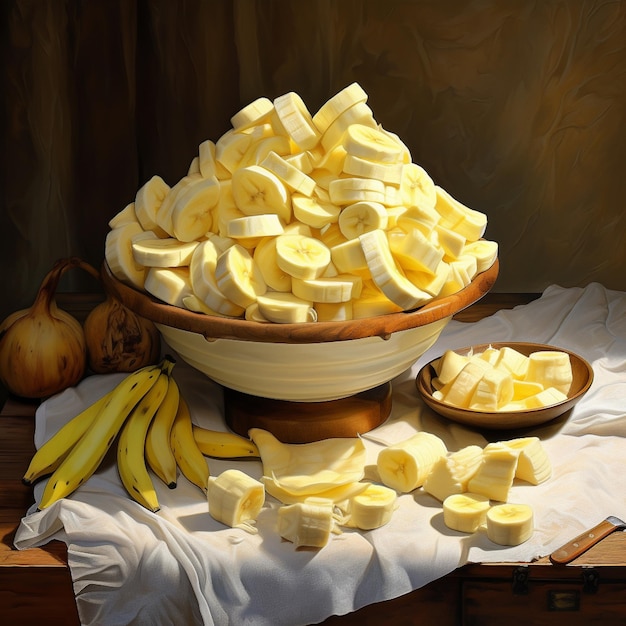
pixel 521 418
pixel 215 327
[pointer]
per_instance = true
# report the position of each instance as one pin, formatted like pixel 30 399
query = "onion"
pixel 119 340
pixel 42 348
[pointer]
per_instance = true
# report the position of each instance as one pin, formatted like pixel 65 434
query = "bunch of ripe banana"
pixel 149 418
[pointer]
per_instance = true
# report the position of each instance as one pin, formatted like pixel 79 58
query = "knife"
pixel 574 548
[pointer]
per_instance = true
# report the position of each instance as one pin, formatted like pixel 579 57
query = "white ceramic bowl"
pixel 307 362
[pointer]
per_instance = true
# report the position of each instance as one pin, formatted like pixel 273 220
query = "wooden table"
pixel 36 586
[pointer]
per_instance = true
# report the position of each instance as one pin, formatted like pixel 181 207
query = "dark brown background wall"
pixel 517 107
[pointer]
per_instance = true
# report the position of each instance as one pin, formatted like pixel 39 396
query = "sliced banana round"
pixel 235 498
pixel 414 251
pixel 166 252
pixel 404 466
pixel 258 151
pixel 230 149
pixel 192 214
pixel 360 113
pixel 267 225
pixel 296 120
pixel 510 524
pixel 454 214
pixel 417 187
pixel 362 217
pixel 126 215
pixel 373 507
pixel 485 252
pixel 148 199
pixel 385 272
pixel 119 254
pixel 257 112
pixel 340 288
pixel 337 104
pixel 238 276
pixel 166 208
pixel 465 512
pixel 307 524
pixel 314 212
pixel 169 284
pixel 294 178
pixel 345 191
pixel 348 257
pixel 301 256
pixel 372 144
pixel 285 308
pixel 264 256
pixel 258 191
pixel 389 173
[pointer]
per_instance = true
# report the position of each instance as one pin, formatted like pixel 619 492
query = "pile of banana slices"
pixel 291 217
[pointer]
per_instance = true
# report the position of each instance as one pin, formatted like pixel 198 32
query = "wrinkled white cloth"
pixel 179 566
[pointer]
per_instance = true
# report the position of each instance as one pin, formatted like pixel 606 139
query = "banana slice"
pixel 485 252
pixel 333 311
pixel 343 100
pixel 167 252
pixel 148 199
pixel 533 463
pixel 421 219
pixel 257 112
pixel 372 144
pixel 265 258
pixel 285 308
pixel 254 226
pixel 169 284
pixel 552 368
pixel 259 150
pixel 373 507
pixel 361 217
pixel 386 274
pixel 348 256
pixel 204 285
pixel 514 362
pixel 389 173
pixel 334 289
pixel 494 389
pixel 495 475
pixel 192 215
pixel 296 120
pixel 119 254
pixel 235 499
pixel 359 113
pixel 257 191
pixel 344 191
pixel 231 147
pixel 238 277
pixel 451 474
pixel 414 251
pixel 295 179
pixel 455 215
pixel 301 256
pixel 166 208
pixel 404 466
pixel 307 524
pixel 465 512
pixel 417 187
pixel 460 390
pixel 314 212
pixel 372 302
pixel 333 161
pixel 510 524
pixel 126 215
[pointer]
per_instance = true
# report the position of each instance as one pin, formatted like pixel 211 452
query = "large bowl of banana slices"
pixel 303 257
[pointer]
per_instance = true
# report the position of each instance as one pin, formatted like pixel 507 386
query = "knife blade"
pixel 575 547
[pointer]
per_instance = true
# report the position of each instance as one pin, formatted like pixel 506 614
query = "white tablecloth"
pixel 180 566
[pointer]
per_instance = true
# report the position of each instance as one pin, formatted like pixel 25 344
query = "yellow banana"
pixel 49 456
pixel 131 462
pixel 188 455
pixel 87 454
pixel 158 449
pixel 224 445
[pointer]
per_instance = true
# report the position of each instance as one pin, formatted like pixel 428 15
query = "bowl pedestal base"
pixel 304 422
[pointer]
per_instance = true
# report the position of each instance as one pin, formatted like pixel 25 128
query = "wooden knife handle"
pixel 574 548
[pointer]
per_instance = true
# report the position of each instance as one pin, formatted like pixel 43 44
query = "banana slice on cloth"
pixel 510 524
pixel 465 512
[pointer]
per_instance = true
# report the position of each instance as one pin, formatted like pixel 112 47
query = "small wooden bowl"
pixel 503 420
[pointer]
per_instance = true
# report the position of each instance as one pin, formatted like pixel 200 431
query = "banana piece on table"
pixel 451 474
pixel 187 453
pixel 307 524
pixel 235 499
pixel 119 255
pixel 88 452
pixel 373 507
pixel 465 512
pixel 533 463
pixel 404 466
pixel 158 449
pixel 162 252
pixel 510 524
pixel 224 444
pixel 131 459
pixel 49 456
pixel 496 472
pixel 148 200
